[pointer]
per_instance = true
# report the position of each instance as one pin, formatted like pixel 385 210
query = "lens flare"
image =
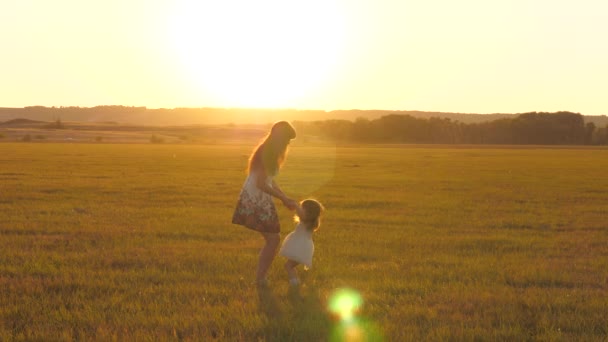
pixel 345 303
pixel 357 330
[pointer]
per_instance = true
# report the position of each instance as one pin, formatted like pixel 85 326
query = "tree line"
pixel 560 128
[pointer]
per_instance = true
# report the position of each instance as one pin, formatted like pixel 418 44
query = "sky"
pixel 467 56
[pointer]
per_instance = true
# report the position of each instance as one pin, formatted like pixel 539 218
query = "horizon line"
pixel 298 109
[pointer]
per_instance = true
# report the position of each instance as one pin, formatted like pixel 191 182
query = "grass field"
pixel 134 242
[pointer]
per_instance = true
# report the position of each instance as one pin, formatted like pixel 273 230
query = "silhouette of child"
pixel 298 247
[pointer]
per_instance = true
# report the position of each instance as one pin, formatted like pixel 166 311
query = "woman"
pixel 255 208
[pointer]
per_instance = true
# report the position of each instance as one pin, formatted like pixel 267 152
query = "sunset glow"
pixel 256 54
pixel 471 56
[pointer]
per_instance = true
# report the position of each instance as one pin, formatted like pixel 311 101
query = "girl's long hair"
pixel 271 152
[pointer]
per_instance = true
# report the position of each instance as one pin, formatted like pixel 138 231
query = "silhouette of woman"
pixel 255 208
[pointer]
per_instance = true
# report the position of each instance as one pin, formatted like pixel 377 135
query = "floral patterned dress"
pixel 255 208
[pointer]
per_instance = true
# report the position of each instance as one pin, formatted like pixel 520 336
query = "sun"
pixel 269 53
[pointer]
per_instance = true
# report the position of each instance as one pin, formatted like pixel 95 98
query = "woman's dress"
pixel 255 208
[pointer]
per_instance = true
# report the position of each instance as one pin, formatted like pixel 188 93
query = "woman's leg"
pixel 267 254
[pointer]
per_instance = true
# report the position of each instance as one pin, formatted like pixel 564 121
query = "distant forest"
pixel 366 126
pixel 561 128
pixel 216 116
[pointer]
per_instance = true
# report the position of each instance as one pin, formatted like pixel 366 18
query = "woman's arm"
pixel 299 210
pixel 291 204
pixel 277 188
pixel 261 183
pixel 273 190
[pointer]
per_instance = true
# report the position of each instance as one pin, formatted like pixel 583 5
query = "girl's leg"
pixel 290 267
pixel 267 254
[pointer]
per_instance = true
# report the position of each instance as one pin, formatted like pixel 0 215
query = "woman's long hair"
pixel 271 152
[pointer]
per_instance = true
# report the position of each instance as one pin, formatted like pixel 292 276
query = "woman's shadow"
pixel 302 314
pixel 306 302
pixel 268 302
pixel 301 300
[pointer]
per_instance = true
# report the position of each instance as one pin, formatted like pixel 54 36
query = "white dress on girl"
pixel 298 246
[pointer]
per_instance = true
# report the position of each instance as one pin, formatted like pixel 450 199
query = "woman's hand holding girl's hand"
pixel 294 205
pixel 289 203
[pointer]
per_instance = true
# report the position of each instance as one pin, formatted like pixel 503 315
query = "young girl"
pixel 298 246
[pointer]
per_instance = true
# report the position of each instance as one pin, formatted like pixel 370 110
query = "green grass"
pixel 134 242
